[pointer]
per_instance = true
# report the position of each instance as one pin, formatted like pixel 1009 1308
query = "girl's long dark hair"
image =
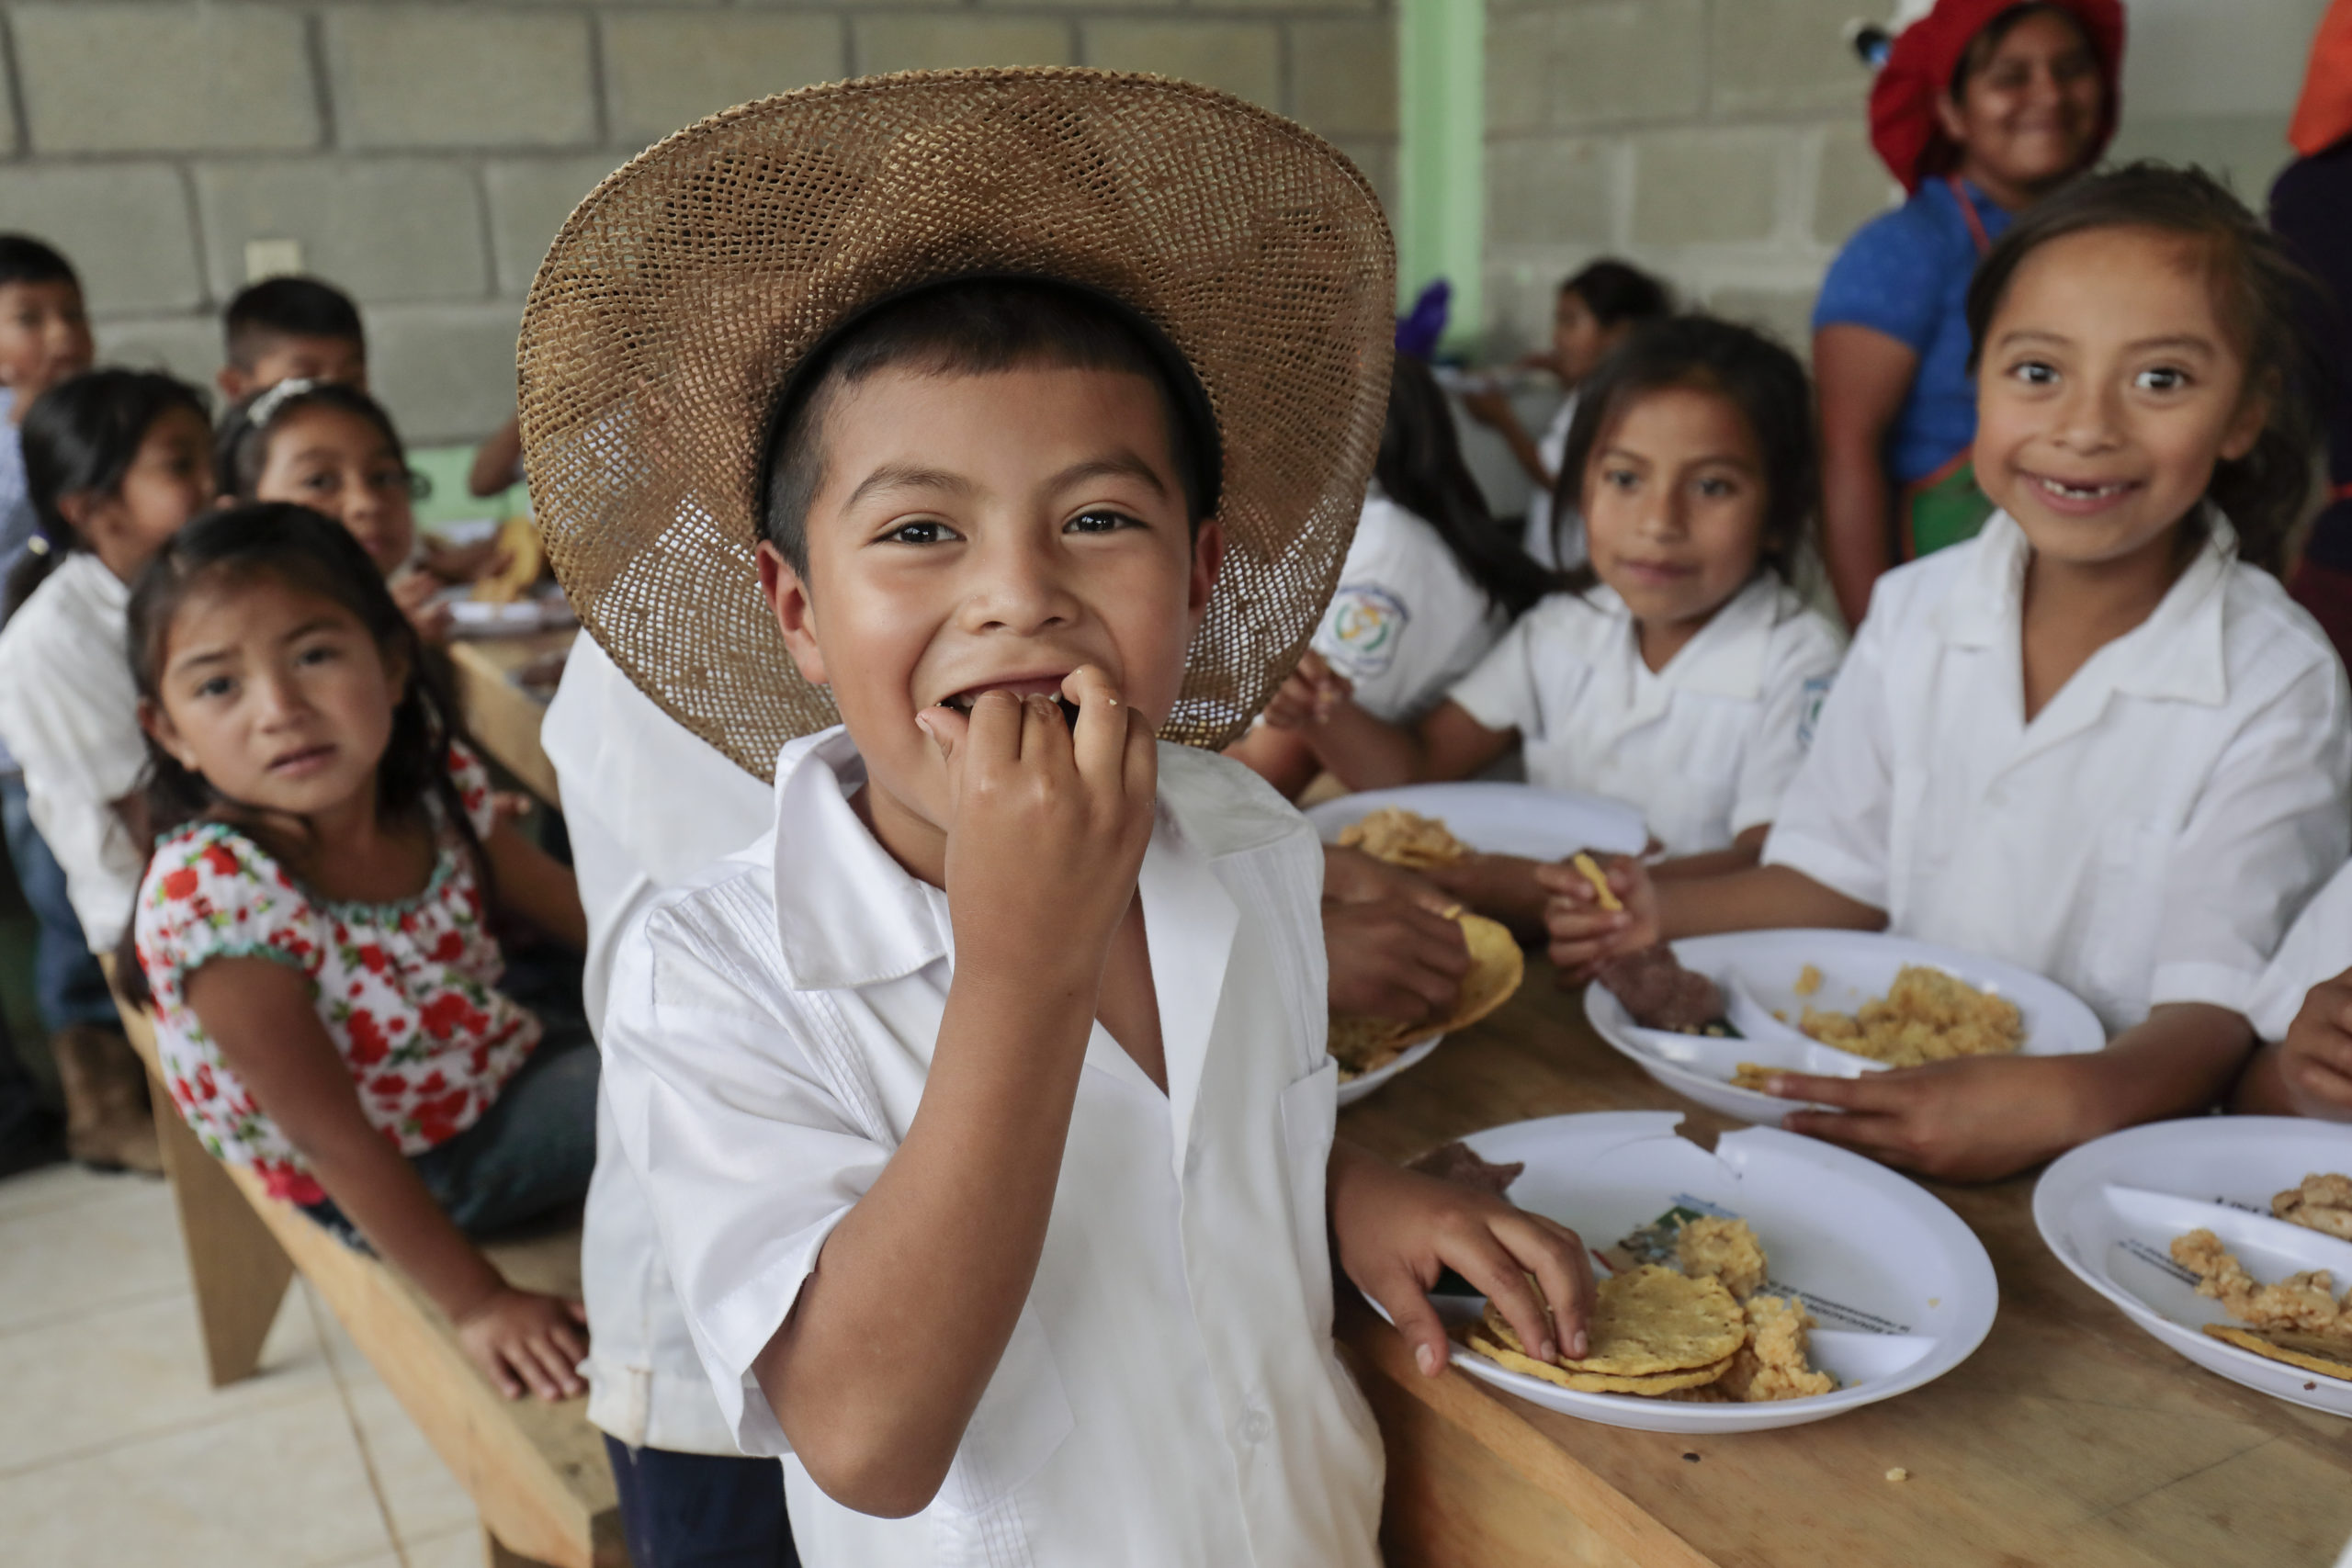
pixel 1420 468
pixel 2262 297
pixel 1740 365
pixel 316 555
pixel 80 439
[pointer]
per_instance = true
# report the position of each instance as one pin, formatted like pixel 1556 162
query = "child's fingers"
pixel 2319 1079
pixel 992 731
pixel 1099 739
pixel 1407 1305
pixel 1888 1139
pixel 1556 1256
pixel 1868 1092
pixel 1045 739
pixel 560 1368
pixel 1486 1264
pixel 1140 772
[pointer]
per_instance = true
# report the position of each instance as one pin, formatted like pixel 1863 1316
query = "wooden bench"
pixel 537 1472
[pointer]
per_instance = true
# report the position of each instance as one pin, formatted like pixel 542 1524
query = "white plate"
pixel 476 618
pixel 1758 971
pixel 1412 1056
pixel 1501 818
pixel 1903 1289
pixel 2111 1209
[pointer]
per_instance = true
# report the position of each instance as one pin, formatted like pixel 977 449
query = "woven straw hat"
pixel 686 287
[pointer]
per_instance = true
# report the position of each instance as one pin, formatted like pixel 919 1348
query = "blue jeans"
pixel 68 986
pixel 701 1510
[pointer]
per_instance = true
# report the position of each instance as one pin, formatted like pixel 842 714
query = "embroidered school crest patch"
pixel 1817 691
pixel 1366 624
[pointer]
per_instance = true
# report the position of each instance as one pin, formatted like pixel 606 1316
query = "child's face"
pixel 336 462
pixel 996 530
pixel 2106 391
pixel 1580 343
pixel 291 358
pixel 44 338
pixel 2025 117
pixel 276 695
pixel 168 482
pixel 1674 505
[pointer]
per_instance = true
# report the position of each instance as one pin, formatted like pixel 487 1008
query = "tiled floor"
pixel 115 1452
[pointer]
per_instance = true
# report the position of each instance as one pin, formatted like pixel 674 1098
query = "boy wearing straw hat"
pixel 980 447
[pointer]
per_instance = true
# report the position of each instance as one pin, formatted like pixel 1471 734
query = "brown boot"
pixel 109 1125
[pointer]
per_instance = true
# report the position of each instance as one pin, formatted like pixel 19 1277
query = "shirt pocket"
pixel 1021 1419
pixel 1310 1111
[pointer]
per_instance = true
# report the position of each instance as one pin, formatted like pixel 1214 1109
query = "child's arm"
pixel 1582 933
pixel 264 1019
pixel 1490 406
pixel 535 885
pixel 894 1336
pixel 2310 1072
pixel 1396 1230
pixel 1365 752
pixel 1740 855
pixel 1281 757
pixel 1982 1118
pixel 1393 950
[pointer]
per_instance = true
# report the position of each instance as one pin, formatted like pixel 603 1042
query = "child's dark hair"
pixel 1618 291
pixel 2260 295
pixel 241 447
pixel 976 326
pixel 1420 468
pixel 80 439
pixel 313 553
pixel 24 259
pixel 1981 48
pixel 287 306
pixel 1747 369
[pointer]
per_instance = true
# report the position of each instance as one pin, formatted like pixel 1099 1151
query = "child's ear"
pixel 166 733
pixel 2246 425
pixel 1954 124
pixel 796 612
pixel 1209 559
pixel 233 382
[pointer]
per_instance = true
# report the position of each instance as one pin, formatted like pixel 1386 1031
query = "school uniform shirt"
pixel 1170 1393
pixel 70 714
pixel 2145 839
pixel 1407 621
pixel 2317 947
pixel 647 803
pixel 1702 748
pixel 18 522
pixel 1565 552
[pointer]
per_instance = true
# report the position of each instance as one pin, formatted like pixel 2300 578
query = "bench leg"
pixel 496 1555
pixel 239 1270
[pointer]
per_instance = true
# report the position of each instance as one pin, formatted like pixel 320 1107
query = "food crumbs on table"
pixel 1898 1474
pixel 1590 870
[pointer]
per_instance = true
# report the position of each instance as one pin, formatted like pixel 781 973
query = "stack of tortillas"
pixel 1363 1044
pixel 1651 1331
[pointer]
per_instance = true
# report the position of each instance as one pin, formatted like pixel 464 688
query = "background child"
pixel 2301 1013
pixel 2098 739
pixel 1429 584
pixel 285 328
pixel 1595 310
pixel 116 461
pixel 314 925
pixel 1677 669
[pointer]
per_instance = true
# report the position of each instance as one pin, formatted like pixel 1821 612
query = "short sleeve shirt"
pixel 1905 273
pixel 1407 621
pixel 1702 748
pixel 1564 550
pixel 408 991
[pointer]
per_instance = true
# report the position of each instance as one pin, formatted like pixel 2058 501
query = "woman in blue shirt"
pixel 1983 106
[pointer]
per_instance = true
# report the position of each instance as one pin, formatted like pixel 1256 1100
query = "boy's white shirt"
pixel 1170 1395
pixel 2146 839
pixel 2318 947
pixel 1407 622
pixel 647 803
pixel 1704 749
pixel 1552 447
pixel 69 713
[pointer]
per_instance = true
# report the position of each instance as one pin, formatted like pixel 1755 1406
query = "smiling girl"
pixel 1677 669
pixel 313 932
pixel 2098 740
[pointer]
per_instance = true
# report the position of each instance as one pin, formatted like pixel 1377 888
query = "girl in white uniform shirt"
pixel 1430 583
pixel 2302 1013
pixel 2099 740
pixel 1678 671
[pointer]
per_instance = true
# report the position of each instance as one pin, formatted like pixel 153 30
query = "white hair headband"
pixel 262 409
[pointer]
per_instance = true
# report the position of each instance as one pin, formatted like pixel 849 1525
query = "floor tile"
pixel 53 1186
pixel 60 1261
pixel 422 1496
pixel 276 1488
pixel 136 1369
pixel 457 1548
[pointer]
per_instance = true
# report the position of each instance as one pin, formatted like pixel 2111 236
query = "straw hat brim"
pixel 683 290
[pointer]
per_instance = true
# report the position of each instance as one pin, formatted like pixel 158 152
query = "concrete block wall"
pixel 422 153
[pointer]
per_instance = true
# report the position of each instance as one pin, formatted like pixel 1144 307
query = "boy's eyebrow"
pixel 195 660
pixel 1114 464
pixel 907 476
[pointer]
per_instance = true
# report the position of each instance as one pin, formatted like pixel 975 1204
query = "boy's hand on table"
pixel 2315 1059
pixel 1308 695
pixel 519 1338
pixel 1581 931
pixel 1393 959
pixel 1397 1231
pixel 1976 1119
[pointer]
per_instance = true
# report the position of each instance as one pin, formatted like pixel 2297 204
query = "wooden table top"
pixel 502 713
pixel 2069 1437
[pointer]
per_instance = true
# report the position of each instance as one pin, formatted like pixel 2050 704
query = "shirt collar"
pixel 846 913
pixel 1725 660
pixel 96 580
pixel 2177 652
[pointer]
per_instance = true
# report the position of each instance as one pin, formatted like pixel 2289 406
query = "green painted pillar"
pixel 1441 156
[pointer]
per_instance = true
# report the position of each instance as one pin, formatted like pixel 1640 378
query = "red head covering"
pixel 1918 71
pixel 2324 118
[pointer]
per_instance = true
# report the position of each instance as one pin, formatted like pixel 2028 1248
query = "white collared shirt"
pixel 2317 947
pixel 70 714
pixel 1170 1394
pixel 648 803
pixel 1407 621
pixel 2146 838
pixel 1702 748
